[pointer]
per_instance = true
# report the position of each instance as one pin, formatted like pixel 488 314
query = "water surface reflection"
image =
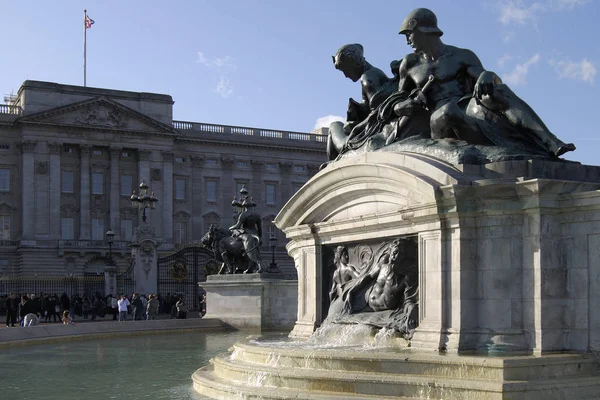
pixel 136 367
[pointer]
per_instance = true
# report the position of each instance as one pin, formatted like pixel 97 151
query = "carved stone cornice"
pixel 85 150
pixel 167 156
pixel 197 161
pixel 55 148
pixel 144 155
pixel 28 146
pixel 41 167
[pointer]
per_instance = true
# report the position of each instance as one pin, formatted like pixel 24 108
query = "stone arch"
pixel 368 185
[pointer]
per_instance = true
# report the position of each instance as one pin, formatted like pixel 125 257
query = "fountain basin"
pixel 276 370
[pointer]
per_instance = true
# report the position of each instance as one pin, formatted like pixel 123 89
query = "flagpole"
pixel 84 44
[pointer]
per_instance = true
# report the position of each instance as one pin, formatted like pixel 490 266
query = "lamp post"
pixel 110 235
pixel 273 243
pixel 143 200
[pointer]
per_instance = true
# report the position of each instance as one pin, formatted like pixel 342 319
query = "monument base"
pixel 252 301
pixel 277 370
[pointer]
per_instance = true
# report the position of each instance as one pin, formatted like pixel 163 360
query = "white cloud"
pixel 583 70
pixel 224 87
pixel 518 76
pixel 325 121
pixel 503 60
pixel 520 12
pixel 224 66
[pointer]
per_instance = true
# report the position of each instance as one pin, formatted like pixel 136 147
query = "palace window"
pixel 299 168
pixel 212 162
pixel 180 232
pixel 211 190
pixel 270 195
pixel 179 160
pixel 97 229
pixel 242 164
pixel 66 228
pixel 179 189
pixel 4 146
pixel 4 227
pixel 126 229
pixel 4 179
pixel 97 152
pixel 67 182
pixel 97 183
pixel 271 166
pixel 126 185
pixel 68 150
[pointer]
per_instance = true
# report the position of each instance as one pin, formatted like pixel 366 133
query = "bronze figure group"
pixel 439 92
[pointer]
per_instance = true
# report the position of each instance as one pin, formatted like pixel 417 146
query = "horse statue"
pixel 230 252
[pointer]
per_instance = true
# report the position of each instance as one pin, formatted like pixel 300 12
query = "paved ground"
pixel 103 327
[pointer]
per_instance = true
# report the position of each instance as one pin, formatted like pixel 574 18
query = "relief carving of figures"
pixel 102 116
pixel 444 103
pixel 383 293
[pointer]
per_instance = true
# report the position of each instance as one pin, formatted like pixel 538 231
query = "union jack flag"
pixel 88 22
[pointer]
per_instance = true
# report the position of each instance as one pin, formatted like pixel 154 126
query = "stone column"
pixel 197 196
pixel 286 182
pixel 55 189
pixel 227 190
pixel 28 201
pixel 143 175
pixel 167 197
pixel 308 260
pixel 84 190
pixel 115 191
pixel 257 185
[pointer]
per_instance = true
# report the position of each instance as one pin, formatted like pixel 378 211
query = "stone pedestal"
pixel 252 301
pixel 110 280
pixel 508 252
pixel 144 252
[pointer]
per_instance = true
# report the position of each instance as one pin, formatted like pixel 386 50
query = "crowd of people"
pixel 30 309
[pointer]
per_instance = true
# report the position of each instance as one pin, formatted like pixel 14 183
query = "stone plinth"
pixel 252 301
pixel 508 252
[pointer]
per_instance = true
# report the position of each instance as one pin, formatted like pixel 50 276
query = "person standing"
pixel 114 306
pixel 11 306
pixel 138 307
pixel 181 308
pixel 122 305
pixel 152 308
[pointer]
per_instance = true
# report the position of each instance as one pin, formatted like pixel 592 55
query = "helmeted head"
pixel 350 60
pixel 422 20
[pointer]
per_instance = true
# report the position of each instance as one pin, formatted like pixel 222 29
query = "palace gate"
pixel 180 270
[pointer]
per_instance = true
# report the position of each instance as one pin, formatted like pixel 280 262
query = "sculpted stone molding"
pixel 197 161
pixel 227 162
pixel 55 148
pixel 155 174
pixel 167 156
pixel 85 150
pixel 41 168
pixel 28 146
pixel 102 115
pixel 144 155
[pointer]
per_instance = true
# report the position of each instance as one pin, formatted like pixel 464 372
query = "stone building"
pixel 71 156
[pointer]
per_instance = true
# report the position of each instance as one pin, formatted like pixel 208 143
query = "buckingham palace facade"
pixel 71 156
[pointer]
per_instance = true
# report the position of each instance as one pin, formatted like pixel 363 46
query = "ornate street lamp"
pixel 110 235
pixel 143 200
pixel 273 243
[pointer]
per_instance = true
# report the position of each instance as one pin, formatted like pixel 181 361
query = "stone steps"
pixel 267 371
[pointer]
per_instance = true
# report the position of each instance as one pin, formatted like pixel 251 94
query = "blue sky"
pixel 268 63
